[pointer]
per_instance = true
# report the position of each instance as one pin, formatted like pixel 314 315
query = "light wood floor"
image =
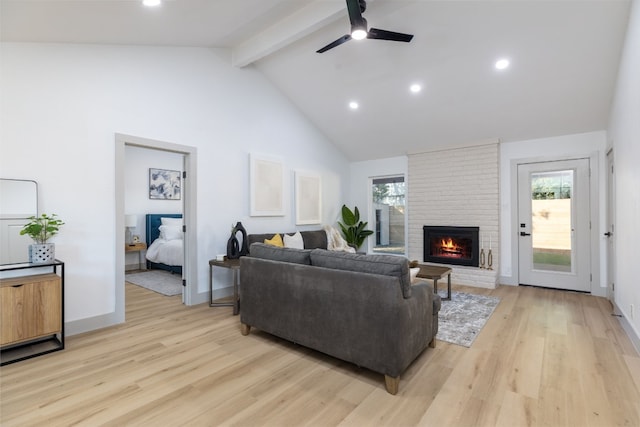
pixel 545 357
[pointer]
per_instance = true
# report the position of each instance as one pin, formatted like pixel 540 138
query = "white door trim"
pixel 190 268
pixel 610 226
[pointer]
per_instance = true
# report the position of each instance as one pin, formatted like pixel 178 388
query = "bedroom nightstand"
pixel 136 247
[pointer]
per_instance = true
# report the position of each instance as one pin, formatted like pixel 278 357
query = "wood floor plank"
pixel 545 357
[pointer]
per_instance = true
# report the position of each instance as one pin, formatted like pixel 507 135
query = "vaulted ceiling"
pixel 563 57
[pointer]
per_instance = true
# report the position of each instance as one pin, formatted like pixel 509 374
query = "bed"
pixel 164 243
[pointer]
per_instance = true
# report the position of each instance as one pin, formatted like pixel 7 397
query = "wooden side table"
pixel 136 247
pixel 234 265
pixel 435 273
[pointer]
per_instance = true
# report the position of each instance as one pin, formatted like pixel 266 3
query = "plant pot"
pixel 42 252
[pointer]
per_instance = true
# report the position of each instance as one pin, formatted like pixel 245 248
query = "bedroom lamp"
pixel 130 222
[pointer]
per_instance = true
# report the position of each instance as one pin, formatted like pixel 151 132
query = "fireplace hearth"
pixel 451 245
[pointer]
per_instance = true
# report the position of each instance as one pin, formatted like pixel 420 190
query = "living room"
pixel 64 103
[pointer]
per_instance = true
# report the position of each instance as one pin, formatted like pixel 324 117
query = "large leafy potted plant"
pixel 41 229
pixel 353 230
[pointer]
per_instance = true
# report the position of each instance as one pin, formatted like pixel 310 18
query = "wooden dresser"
pixel 31 311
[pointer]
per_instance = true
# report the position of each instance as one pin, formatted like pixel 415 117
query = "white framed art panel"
pixel 308 187
pixel 266 186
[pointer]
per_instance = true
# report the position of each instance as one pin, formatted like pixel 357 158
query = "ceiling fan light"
pixel 359 29
pixel 359 34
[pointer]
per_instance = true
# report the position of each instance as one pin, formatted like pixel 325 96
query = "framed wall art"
pixel 308 198
pixel 165 184
pixel 266 182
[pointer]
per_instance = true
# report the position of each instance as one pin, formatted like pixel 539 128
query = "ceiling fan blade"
pixel 376 33
pixel 333 44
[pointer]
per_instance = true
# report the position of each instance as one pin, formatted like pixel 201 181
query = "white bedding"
pixel 167 252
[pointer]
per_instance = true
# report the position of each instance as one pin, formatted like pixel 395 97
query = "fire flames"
pixel 448 244
pixel 450 248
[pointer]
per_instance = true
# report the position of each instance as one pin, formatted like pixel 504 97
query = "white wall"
pixel 62 105
pixel 567 146
pixel 360 191
pixel 624 134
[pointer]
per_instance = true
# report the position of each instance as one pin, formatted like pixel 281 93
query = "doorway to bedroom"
pixel 188 156
pixel 153 206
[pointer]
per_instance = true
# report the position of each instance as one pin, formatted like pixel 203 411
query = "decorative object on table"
pixel 130 222
pixel 234 249
pixel 165 184
pixel 308 198
pixel 490 256
pixel 244 247
pixel 135 239
pixel 266 186
pixel 40 229
pixel 353 230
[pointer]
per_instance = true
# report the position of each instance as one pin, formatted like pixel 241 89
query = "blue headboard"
pixel 153 225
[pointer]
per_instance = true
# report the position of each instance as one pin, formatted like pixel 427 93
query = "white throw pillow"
pixel 175 222
pixel 294 241
pixel 169 232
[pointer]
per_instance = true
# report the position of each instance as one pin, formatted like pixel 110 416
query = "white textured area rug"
pixel 160 281
pixel 461 319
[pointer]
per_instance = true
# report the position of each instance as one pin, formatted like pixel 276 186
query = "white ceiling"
pixel 564 60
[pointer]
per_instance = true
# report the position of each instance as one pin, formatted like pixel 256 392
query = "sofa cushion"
pixel 312 239
pixel 276 240
pixel 294 241
pixel 387 265
pixel 274 253
pixel 316 239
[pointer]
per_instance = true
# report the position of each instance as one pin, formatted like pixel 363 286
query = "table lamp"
pixel 130 222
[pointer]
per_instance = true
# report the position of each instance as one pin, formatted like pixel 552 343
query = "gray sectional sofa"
pixel 358 308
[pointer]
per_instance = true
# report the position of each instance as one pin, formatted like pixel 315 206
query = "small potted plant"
pixel 353 230
pixel 41 229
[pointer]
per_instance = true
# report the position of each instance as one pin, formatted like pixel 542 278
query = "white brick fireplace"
pixel 457 187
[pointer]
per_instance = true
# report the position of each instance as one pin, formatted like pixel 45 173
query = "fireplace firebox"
pixel 451 245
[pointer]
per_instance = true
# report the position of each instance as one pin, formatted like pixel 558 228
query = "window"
pixel 388 209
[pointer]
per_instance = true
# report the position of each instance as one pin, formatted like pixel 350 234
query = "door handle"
pixel 522 233
pixel 608 234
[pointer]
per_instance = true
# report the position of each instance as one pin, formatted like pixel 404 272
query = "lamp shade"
pixel 130 220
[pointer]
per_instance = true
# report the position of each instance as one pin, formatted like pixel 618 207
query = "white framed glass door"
pixel 554 224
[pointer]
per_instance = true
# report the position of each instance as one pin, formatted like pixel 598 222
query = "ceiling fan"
pixel 359 28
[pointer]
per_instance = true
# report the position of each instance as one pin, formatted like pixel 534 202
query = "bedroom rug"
pixel 160 281
pixel 461 319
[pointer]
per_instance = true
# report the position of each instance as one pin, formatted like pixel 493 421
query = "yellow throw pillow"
pixel 276 240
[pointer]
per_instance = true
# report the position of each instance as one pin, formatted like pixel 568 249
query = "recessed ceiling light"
pixel 415 88
pixel 501 64
pixel 353 105
pixel 151 3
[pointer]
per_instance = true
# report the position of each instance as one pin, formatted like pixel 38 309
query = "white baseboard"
pixel 628 327
pixel 90 324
